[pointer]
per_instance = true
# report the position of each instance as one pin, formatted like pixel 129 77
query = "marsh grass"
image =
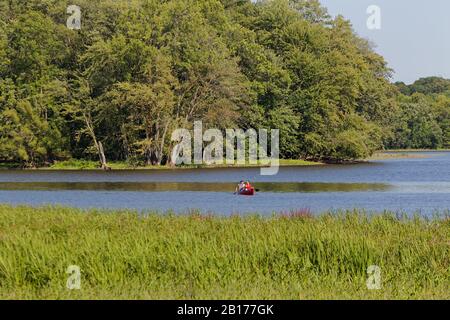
pixel 127 255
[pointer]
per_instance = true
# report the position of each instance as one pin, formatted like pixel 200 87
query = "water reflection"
pixel 194 186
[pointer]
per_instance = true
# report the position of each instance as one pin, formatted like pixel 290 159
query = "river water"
pixel 420 184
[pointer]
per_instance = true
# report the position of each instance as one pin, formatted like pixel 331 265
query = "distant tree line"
pixel 138 69
pixel 423 116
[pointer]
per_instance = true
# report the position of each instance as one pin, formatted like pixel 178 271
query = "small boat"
pixel 247 192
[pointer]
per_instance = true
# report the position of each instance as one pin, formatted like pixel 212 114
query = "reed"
pixel 131 255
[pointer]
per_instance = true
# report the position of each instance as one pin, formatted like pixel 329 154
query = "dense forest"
pixel 138 69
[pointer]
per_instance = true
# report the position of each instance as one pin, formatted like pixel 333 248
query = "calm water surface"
pixel 410 185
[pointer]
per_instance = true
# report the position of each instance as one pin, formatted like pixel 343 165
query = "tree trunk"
pixel 163 140
pixel 98 144
pixel 101 154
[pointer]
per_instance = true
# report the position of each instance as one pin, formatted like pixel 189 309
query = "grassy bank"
pixel 398 155
pixel 406 154
pixel 417 150
pixel 121 165
pixel 126 255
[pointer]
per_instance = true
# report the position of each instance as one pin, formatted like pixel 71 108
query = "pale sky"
pixel 414 37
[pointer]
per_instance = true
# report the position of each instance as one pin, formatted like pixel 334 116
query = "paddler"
pixel 240 187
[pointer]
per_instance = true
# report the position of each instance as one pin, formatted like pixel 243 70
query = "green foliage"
pixel 428 86
pixel 421 122
pixel 137 69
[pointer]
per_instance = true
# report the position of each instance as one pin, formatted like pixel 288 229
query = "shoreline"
pixel 119 166
pixel 405 154
pixel 81 165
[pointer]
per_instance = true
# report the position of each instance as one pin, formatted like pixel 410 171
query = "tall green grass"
pixel 134 256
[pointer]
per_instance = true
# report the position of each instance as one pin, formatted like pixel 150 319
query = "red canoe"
pixel 247 192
